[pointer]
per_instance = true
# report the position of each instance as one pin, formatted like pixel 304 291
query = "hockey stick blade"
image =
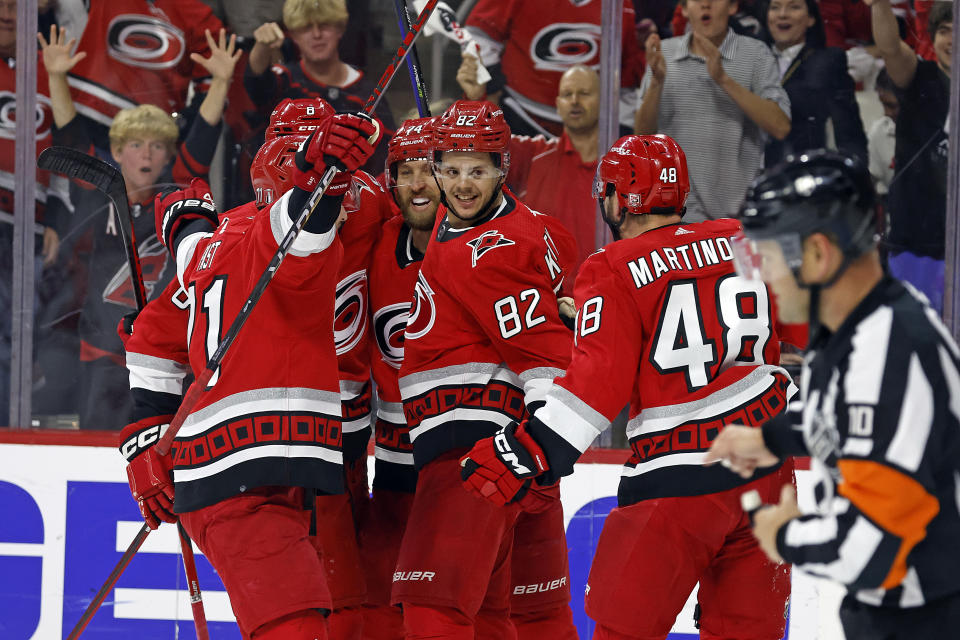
pixel 108 180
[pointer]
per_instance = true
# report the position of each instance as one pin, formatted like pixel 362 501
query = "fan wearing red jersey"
pixel 267 430
pixel 670 328
pixel 482 341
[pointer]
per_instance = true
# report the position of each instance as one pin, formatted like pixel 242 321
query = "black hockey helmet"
pixel 816 191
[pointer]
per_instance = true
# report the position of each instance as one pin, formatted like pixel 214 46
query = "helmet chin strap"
pixel 614 226
pixel 485 211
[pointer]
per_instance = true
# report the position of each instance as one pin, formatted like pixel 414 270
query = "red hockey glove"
pixel 346 140
pixel 149 473
pixel 181 207
pixel 501 469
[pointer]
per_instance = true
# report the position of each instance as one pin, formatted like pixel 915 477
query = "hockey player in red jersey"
pixel 393 275
pixel 365 209
pixel 482 341
pixel 268 427
pixel 666 324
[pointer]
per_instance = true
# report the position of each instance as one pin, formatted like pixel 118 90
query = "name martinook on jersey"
pixel 705 253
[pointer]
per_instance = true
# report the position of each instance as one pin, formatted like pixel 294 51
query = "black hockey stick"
pixel 108 180
pixel 413 61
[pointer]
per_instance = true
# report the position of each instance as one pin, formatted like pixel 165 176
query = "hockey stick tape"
pixel 443 21
pixel 751 502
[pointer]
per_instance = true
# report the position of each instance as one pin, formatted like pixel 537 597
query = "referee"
pixel 879 414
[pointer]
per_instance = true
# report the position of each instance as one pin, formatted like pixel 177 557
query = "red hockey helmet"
pixel 648 174
pixel 271 172
pixel 298 117
pixel 412 141
pixel 474 126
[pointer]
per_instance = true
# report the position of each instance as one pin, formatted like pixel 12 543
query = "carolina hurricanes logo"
pixel 142 41
pixel 559 46
pixel 350 312
pixel 8 116
pixel 389 323
pixel 424 313
pixel 485 242
pixel 153 262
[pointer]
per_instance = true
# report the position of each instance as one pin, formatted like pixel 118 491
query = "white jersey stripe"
pixel 460 413
pixel 916 419
pixel 274 400
pixel 306 242
pixel 394 457
pixel 856 551
pixel 868 360
pixel 752 386
pixel 280 451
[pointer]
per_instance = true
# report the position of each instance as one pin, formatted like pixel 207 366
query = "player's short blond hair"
pixel 302 13
pixel 144 121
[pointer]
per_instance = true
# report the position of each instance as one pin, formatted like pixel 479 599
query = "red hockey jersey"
pixel 535 42
pixel 138 52
pixel 665 322
pixel 484 338
pixel 271 415
pixel 393 276
pixel 52 197
pixel 156 353
pixel 351 327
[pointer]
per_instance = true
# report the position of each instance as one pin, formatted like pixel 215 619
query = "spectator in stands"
pixel 137 53
pixel 52 201
pixel 881 138
pixel 143 143
pixel 527 44
pixel 243 17
pixel 718 95
pixel 816 80
pixel 316 27
pixel 916 203
pixel 555 176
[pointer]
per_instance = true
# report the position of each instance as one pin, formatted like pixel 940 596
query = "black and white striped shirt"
pixel 724 147
pixel 880 414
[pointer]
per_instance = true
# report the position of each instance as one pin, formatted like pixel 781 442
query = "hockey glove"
pixel 149 473
pixel 501 469
pixel 179 208
pixel 346 140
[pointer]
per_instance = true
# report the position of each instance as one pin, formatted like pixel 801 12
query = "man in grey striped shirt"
pixel 879 413
pixel 718 94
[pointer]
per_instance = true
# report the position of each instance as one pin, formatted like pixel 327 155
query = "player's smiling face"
pixel 141 161
pixel 469 180
pixel 417 194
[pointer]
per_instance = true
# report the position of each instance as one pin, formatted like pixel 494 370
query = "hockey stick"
pixel 111 580
pixel 200 383
pixel 193 584
pixel 109 180
pixel 413 61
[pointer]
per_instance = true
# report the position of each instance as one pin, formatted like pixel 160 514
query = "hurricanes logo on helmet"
pixel 485 242
pixel 142 41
